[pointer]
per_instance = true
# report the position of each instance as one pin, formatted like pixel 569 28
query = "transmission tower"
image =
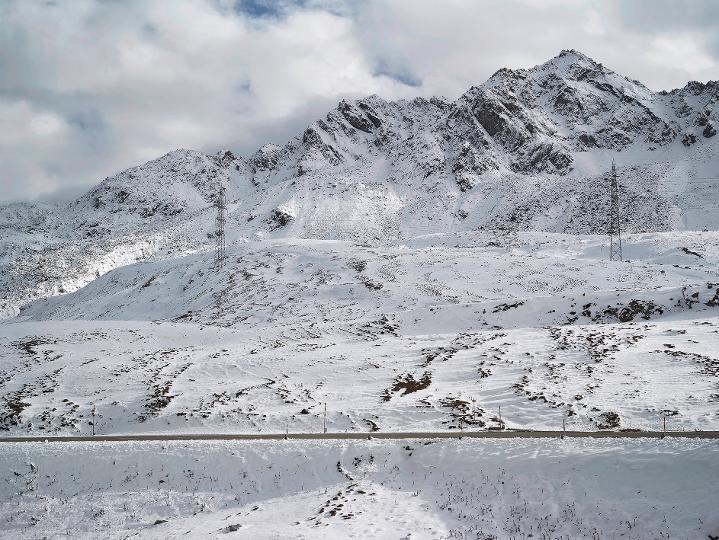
pixel 220 229
pixel 615 229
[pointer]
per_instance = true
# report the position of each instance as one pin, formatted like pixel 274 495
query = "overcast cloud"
pixel 88 88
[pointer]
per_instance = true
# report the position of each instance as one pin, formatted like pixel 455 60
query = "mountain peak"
pixel 566 64
pixel 574 54
pixel 569 60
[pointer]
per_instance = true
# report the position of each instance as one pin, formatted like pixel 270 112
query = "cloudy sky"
pixel 89 87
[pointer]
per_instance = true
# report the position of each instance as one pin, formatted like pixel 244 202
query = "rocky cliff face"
pixel 527 149
pixel 524 121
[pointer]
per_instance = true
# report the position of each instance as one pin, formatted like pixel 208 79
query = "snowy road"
pixel 514 434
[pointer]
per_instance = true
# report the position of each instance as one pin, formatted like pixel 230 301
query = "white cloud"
pixel 462 42
pixel 91 87
pixel 20 123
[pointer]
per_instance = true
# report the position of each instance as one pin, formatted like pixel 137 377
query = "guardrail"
pixel 355 435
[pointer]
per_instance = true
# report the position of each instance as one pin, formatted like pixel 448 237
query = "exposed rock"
pixel 267 157
pixel 608 420
pixel 313 140
pixel 544 157
pixel 587 140
pixel 281 216
pixel 355 117
pixel 470 164
pixel 225 158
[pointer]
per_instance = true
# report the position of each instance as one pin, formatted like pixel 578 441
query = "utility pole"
pixel 94 411
pixel 324 422
pixel 221 206
pixel 615 229
pixel 474 409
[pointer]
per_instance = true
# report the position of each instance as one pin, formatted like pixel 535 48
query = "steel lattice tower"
pixel 220 229
pixel 615 229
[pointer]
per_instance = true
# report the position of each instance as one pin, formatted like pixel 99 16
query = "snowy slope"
pixel 289 281
pixel 181 377
pixel 540 328
pixel 368 489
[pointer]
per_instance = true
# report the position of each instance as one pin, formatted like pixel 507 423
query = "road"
pixel 507 434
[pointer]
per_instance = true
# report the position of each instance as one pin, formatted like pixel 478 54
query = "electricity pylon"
pixel 615 229
pixel 220 205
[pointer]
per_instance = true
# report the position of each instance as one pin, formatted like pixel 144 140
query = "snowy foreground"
pixel 559 489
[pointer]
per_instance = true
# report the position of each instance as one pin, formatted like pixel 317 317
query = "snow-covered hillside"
pixel 180 377
pixel 636 489
pixel 419 335
pixel 289 281
pixel 526 150
pixel 454 249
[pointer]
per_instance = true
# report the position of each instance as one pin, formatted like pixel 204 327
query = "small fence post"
pixel 94 410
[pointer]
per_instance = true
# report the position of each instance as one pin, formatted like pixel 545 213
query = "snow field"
pixel 634 489
pixel 165 377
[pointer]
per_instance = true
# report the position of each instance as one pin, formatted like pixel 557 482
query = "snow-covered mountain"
pixel 527 149
pixel 399 266
pixel 472 231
